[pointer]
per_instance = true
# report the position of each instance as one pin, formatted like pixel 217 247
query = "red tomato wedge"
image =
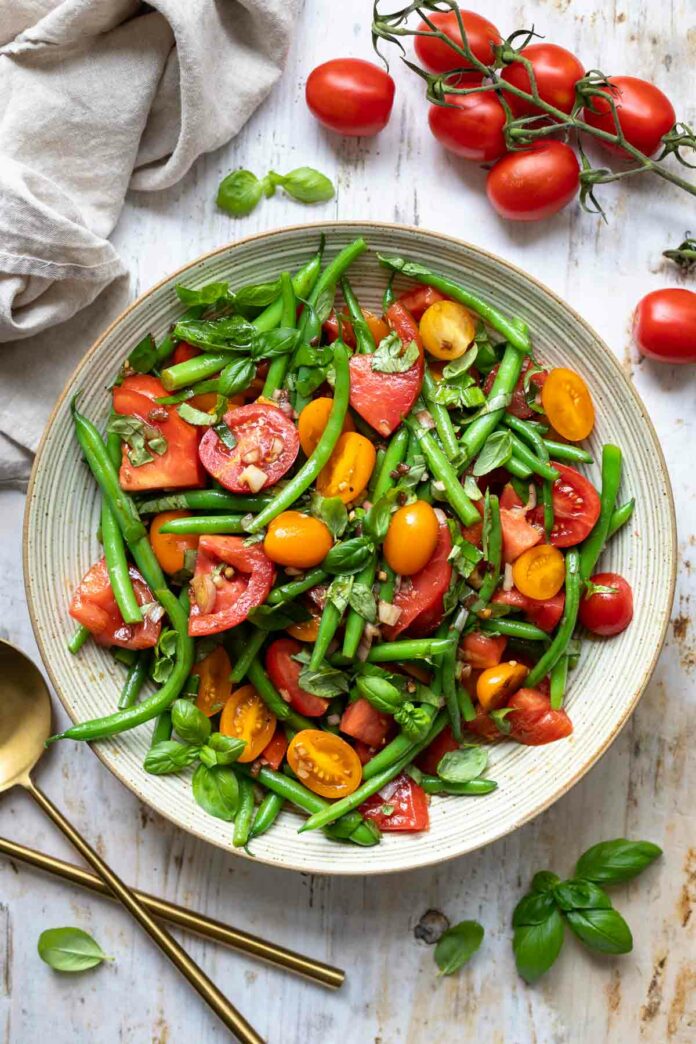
pixel 533 722
pixel 267 445
pixel 273 754
pixel 420 299
pixel 575 507
pixel 215 609
pixel 364 722
pixel 518 405
pixel 518 534
pixel 183 352
pixel 284 672
pixel 382 399
pixel 401 805
pixel 177 468
pixel 421 596
pixel 94 606
pixel 442 744
pixel 542 613
pixel 483 650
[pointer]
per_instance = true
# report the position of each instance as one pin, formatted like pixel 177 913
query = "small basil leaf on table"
pixel 239 193
pixel 601 930
pixel 217 791
pixel 620 860
pixel 581 895
pixel 169 756
pixel 144 355
pixel 457 945
pixel 189 722
pixel 70 950
pixel 536 946
pixel 305 184
pixel 545 881
pixel 459 766
pixel 533 908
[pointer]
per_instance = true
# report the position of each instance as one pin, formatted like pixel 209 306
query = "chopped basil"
pixel 393 356
pixel 225 435
pixel 142 439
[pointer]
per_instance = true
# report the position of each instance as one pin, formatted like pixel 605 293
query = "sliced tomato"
pixel 183 352
pixel 217 608
pixel 443 743
pixel 509 498
pixel 383 399
pixel 267 444
pixel 400 805
pixel 273 754
pixel 94 606
pixel 518 534
pixel 332 328
pixel 421 596
pixel 542 613
pixel 284 672
pixel 575 507
pixel 474 534
pixel 484 727
pixel 418 300
pixel 519 406
pixel 483 650
pixel 364 722
pixel 179 466
pixel 533 722
pixel 364 752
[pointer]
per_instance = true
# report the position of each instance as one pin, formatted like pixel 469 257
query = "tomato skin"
pixel 313 420
pixel 484 727
pixel 420 597
pixel 438 57
pixel 482 651
pixel 568 404
pixel 607 614
pixel 411 538
pixel 472 128
pixel 325 763
pixel 575 506
pixel 93 605
pixel 545 614
pixel 246 716
pixel 348 470
pixel 297 540
pixel 170 548
pixel 253 578
pixel 409 805
pixel 645 114
pixel 364 722
pixel 274 752
pixel 447 330
pixel 215 686
pixel 518 534
pixel 495 685
pixel 533 723
pixel 539 573
pixel 258 428
pixel 284 672
pixel 664 325
pixel 518 405
pixel 419 299
pixel 534 184
pixel 428 760
pixel 183 352
pixel 556 72
pixel 376 325
pixel 350 96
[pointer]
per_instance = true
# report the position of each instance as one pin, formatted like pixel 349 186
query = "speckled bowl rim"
pixel 670 557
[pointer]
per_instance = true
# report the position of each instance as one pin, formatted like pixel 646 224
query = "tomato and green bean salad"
pixel 344 552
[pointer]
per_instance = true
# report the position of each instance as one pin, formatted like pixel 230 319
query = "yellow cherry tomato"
pixel 297 540
pixel 325 763
pixel 539 572
pixel 307 630
pixel 411 538
pixel 495 686
pixel 214 686
pixel 169 548
pixel 313 420
pixel 349 468
pixel 568 404
pixel 246 716
pixel 447 329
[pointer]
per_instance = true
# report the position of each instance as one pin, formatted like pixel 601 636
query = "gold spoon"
pixel 25 725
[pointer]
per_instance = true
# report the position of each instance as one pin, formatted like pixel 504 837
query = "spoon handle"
pixel 176 954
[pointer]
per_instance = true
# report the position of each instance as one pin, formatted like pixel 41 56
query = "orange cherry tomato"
pixel 568 404
pixel 411 538
pixel 246 716
pixel 539 572
pixel 297 540
pixel 169 548
pixel 312 421
pixel 349 468
pixel 325 763
pixel 306 631
pixel 378 327
pixel 495 685
pixel 447 329
pixel 207 402
pixel 214 686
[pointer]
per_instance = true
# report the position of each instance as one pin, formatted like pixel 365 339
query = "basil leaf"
pixel 415 721
pixel 536 946
pixel 70 950
pixel 225 435
pixel 198 417
pixel 461 365
pixel 217 791
pixel 393 356
pixel 331 511
pixel 189 722
pixel 471 488
pixel 239 192
pixel 222 750
pixel 499 718
pixel 236 377
pixel 464 556
pixel 380 692
pixel 322 307
pixel 278 617
pixel 142 439
pixel 457 945
pixel 602 930
pixel 486 355
pixel 338 592
pixel 326 681
pixel 144 355
pixel 362 600
pixel 408 268
pixel 276 342
pixel 349 556
pixel 257 295
pixel 379 516
pixel 165 652
pixel 459 766
pixel 168 756
pixel 620 860
pixel 206 295
pixel 545 881
pixel 581 895
pixel 305 185
pixel 533 908
pixel 232 333
pixel 497 450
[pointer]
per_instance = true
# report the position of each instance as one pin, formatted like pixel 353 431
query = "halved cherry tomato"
pixel 645 114
pixel 215 686
pixel 483 650
pixel 306 630
pixel 518 534
pixel 518 405
pixel 349 468
pixel 438 57
pixel 297 540
pixel 273 754
pixel 568 404
pixel 607 612
pixel 267 444
pixel 664 325
pixel 94 606
pixel 411 538
pixel 484 727
pixel 364 722
pixel 170 548
pixel 420 597
pixel 447 329
pixel 419 299
pixel 403 805
pixel 495 685
pixel 544 614
pixel 350 96
pixel 383 399
pixel 246 716
pixel 539 572
pixel 442 744
pixel 535 183
pixel 220 600
pixel 325 763
pixel 376 325
pixel 183 352
pixel 575 507
pixel 470 125
pixel 556 71
pixel 533 722
pixel 312 421
pixel 284 672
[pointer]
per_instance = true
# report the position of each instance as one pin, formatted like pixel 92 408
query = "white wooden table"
pixel 643 787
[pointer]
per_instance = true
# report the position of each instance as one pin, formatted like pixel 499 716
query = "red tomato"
pixel 177 468
pixel 364 752
pixel 533 722
pixel 542 613
pixel 610 613
pixel 330 328
pixel 484 727
pixel 350 96
pixel 401 805
pixel 518 534
pixel 534 184
pixel 443 743
pixel 439 57
pixel 575 507
pixel 509 498
pixel 664 326
pixel 183 352
pixel 266 442
pixel 474 534
pixel 483 650
pixel 382 399
pixel 473 128
pixel 284 672
pixel 364 722
pixel 644 113
pixel 273 754
pixel 556 72
pixel 420 299
pixel 420 597
pixel 94 606
pixel 217 608
pixel 518 405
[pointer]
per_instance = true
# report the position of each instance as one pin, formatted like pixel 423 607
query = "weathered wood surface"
pixel 643 787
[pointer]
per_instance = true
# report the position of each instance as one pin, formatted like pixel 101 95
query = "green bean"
pixel 564 451
pixel 163 728
pixel 409 649
pixel 388 586
pixel 619 517
pixel 245 813
pixel 289 591
pixel 266 814
pixel 443 471
pixel 78 639
pixel 547 501
pixel 440 414
pixel 328 625
pixel 313 465
pixel 526 431
pixel 168 343
pixel 245 655
pixel 394 751
pixel 192 370
pixel 115 550
pixel 611 479
pixel 538 466
pixel 364 340
pixel 272 698
pixel 205 524
pixel 278 366
pixel 125 656
pixel 558 678
pixel 513 629
pixel 565 628
pixel 435 785
pixel 203 500
pixel 466 705
pixel 504 384
pixel 448 663
pixel 135 679
pixel 494 550
pixel 518 468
